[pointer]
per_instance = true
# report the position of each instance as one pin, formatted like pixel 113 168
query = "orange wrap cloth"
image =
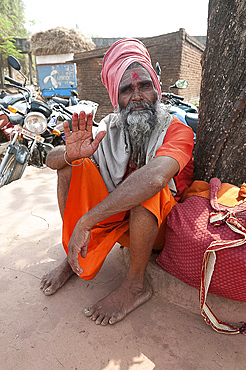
pixel 229 195
pixel 87 189
pixel 242 193
pixel 118 58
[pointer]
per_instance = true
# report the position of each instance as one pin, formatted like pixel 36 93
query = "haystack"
pixel 60 40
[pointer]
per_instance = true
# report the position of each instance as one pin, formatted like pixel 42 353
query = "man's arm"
pixel 138 187
pixel 55 159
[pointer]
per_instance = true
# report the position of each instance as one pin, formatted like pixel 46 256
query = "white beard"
pixel 139 124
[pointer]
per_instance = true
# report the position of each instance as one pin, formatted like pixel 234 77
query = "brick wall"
pixel 190 68
pixel 178 54
pixel 90 87
pixel 167 50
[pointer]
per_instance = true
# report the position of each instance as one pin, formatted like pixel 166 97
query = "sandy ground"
pixel 40 332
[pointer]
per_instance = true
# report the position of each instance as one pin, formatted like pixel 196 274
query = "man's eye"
pixel 125 89
pixel 146 85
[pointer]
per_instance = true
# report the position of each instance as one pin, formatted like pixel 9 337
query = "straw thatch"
pixel 60 41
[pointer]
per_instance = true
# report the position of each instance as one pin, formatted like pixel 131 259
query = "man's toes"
pixel 43 283
pixel 105 321
pixel 49 290
pixel 95 316
pixel 47 287
pixel 89 311
pixel 113 320
pixel 99 320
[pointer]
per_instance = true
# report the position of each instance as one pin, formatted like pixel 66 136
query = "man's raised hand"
pixel 79 142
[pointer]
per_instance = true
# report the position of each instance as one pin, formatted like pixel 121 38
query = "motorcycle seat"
pixel 192 119
pixel 12 99
pixel 58 100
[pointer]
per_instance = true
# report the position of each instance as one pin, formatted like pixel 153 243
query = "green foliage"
pixel 7 46
pixel 12 24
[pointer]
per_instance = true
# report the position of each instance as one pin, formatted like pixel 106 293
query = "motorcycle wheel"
pixel 12 170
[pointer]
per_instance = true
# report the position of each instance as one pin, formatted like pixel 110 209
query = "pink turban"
pixel 116 60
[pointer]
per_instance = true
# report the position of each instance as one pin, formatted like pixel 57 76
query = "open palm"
pixel 79 142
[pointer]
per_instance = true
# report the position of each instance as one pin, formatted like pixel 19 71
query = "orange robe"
pixel 87 189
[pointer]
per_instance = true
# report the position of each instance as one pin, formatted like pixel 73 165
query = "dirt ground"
pixel 40 332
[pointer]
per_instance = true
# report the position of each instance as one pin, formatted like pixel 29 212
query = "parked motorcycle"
pixel 30 128
pixel 60 113
pixel 67 102
pixel 186 112
pixel 29 120
pixel 54 98
pixel 63 109
pixel 5 131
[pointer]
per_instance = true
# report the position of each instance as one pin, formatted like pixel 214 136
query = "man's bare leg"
pixel 56 278
pixel 135 289
pixel 63 183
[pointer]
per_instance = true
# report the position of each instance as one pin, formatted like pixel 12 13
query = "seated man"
pixel 117 186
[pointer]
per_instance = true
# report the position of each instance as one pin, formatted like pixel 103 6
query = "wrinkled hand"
pixel 79 142
pixel 78 244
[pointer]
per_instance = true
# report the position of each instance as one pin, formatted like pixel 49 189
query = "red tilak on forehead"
pixel 134 75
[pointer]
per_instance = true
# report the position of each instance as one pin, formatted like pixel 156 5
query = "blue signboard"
pixel 58 77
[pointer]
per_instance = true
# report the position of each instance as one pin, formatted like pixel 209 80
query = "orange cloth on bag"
pixel 87 189
pixel 229 195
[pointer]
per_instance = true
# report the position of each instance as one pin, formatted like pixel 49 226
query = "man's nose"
pixel 136 95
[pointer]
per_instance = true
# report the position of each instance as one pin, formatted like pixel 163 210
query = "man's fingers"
pixel 74 263
pixel 98 139
pixel 82 121
pixel 75 122
pixel 89 122
pixel 83 251
pixel 66 129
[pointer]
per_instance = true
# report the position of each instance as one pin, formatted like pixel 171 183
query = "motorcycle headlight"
pixel 35 122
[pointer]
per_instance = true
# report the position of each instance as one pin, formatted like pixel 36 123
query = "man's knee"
pixel 142 214
pixel 143 228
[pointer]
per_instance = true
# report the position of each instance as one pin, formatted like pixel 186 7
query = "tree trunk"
pixel 221 136
pixel 1 72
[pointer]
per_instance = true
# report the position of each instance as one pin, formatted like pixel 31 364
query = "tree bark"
pixel 221 136
pixel 1 72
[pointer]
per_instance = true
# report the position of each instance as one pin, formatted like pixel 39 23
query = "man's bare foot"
pixel 56 278
pixel 113 308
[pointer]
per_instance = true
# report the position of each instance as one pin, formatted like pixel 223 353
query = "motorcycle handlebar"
pixel 171 95
pixel 11 80
pixel 186 104
pixel 62 106
pixel 19 87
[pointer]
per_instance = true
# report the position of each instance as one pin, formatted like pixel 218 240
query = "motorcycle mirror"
pixel 158 69
pixel 16 65
pixel 14 62
pixel 181 84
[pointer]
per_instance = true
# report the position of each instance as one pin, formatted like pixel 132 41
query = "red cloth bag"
pixel 205 247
